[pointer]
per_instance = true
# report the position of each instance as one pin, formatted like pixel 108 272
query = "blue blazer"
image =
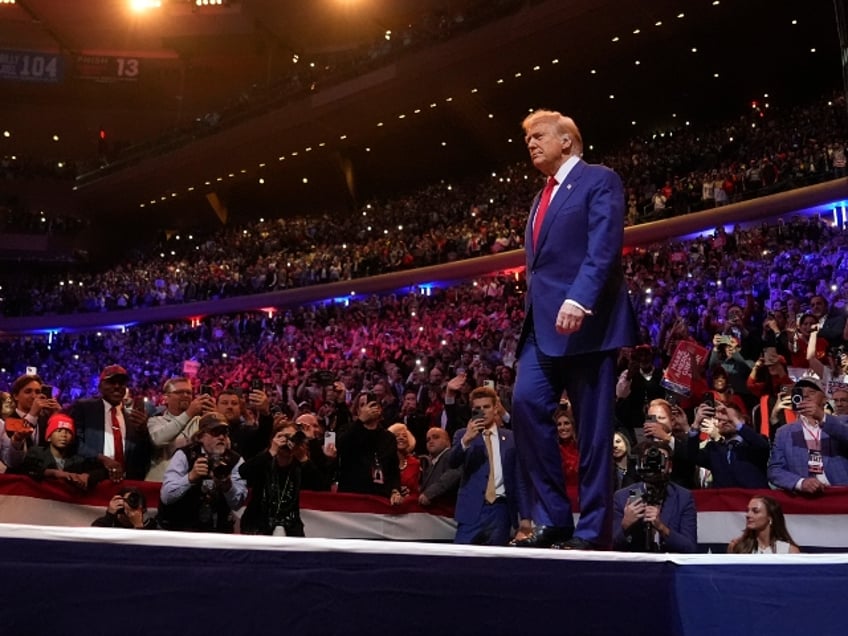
pixel 678 513
pixel 474 463
pixel 749 460
pixel 579 257
pixel 789 454
pixel 90 420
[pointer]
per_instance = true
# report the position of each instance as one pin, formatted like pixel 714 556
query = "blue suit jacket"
pixel 90 421
pixel 749 460
pixel 578 256
pixel 474 462
pixel 678 513
pixel 789 454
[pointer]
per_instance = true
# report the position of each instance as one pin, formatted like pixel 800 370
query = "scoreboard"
pixel 104 68
pixel 31 66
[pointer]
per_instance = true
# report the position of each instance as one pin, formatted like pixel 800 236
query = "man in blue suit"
pixel 810 454
pixel 488 497
pixel 577 315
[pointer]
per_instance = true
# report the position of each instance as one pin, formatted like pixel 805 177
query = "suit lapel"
pixel 563 193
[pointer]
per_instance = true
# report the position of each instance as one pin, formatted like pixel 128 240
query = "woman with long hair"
pixel 410 467
pixel 765 530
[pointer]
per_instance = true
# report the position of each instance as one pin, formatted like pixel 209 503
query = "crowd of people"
pixel 443 222
pixel 762 309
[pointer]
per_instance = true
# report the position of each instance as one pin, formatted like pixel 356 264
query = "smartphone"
pixel 256 384
pixel 15 425
pixel 709 400
pixel 329 438
pixel 47 391
pixel 489 384
pixel 651 418
pixel 205 389
pixel 633 497
pixel 477 414
pixel 370 397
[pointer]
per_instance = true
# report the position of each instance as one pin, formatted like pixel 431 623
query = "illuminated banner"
pixel 30 66
pixel 104 68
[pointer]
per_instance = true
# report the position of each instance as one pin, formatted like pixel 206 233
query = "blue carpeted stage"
pixel 102 581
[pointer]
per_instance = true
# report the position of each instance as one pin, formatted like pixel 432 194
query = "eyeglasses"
pixel 219 430
pixel 180 392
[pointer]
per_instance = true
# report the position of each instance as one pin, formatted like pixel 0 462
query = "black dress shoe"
pixel 574 543
pixel 543 537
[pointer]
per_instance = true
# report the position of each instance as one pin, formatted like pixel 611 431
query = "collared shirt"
pixel 176 483
pixel 108 437
pixel 500 489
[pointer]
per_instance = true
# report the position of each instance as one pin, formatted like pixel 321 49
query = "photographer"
pixel 202 484
pixel 127 509
pixel 654 515
pixel 275 478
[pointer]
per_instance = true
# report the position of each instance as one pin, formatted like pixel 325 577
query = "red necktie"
pixel 116 435
pixel 544 202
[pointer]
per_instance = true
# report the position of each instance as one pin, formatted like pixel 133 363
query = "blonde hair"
pixel 400 427
pixel 565 126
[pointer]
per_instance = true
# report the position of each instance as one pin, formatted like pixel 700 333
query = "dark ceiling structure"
pixel 217 107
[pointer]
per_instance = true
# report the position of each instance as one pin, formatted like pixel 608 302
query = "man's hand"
pixel 136 418
pixel 652 516
pixel 634 511
pixel 811 486
pixel 475 427
pixel 657 431
pixel 370 411
pixel 116 505
pixel 811 410
pixel 259 401
pixel 569 318
pixel 135 516
pixel 199 471
pixel 455 384
pixel 423 500
pixel 43 404
pixel 80 480
pixel 116 471
pixel 199 405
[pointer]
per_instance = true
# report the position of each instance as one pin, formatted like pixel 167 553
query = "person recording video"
pixel 654 515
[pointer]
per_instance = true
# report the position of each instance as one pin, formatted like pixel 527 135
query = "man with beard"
pixel 202 485
pixel 107 432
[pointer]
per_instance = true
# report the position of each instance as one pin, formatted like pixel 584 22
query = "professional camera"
pixel 133 500
pixel 797 397
pixel 652 464
pixel 220 466
pixel 298 438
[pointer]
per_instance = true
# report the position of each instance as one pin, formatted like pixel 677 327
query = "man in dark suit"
pixel 487 503
pixel 655 515
pixel 108 432
pixel 577 315
pixel 439 482
pixel 736 456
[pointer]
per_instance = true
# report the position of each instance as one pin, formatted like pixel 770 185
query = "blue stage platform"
pixel 89 581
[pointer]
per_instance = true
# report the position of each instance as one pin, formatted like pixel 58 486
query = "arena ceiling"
pixel 440 111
